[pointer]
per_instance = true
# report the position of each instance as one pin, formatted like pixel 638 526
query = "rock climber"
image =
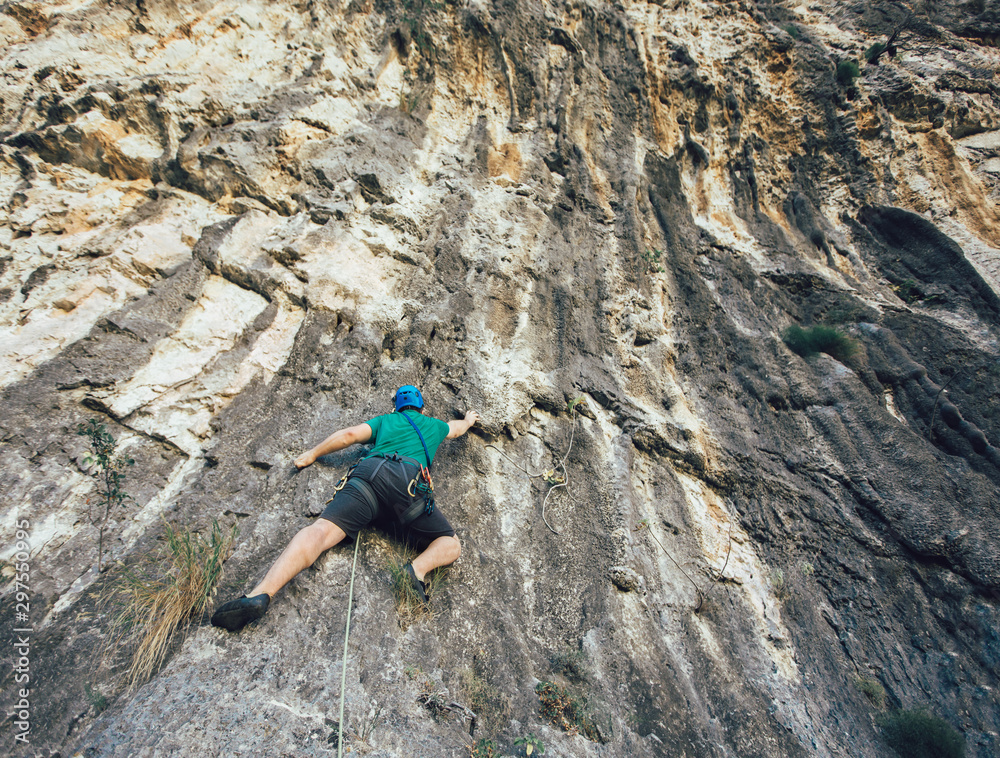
pixel 391 484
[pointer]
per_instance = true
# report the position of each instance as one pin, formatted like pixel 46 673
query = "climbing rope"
pixel 715 576
pixel 343 665
pixel 562 465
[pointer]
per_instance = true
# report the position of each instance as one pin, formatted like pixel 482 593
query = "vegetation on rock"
pixel 151 604
pixel 484 748
pixel 873 53
pixel 820 339
pixel 920 734
pixel 107 467
pixel 847 72
pixel 565 710
pixel 871 689
pixel 530 744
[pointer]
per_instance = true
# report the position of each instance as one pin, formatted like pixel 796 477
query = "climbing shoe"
pixel 419 587
pixel 236 614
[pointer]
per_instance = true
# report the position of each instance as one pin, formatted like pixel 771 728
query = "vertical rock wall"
pixel 233 227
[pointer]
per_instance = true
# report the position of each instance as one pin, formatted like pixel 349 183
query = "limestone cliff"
pixel 232 227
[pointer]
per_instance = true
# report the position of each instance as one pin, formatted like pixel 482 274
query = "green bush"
pixel 792 31
pixel 873 53
pixel 564 710
pixel 820 339
pixel 484 749
pixel 530 744
pixel 919 734
pixel 96 699
pixel 847 72
pixel 909 291
pixel 653 260
pixel 871 689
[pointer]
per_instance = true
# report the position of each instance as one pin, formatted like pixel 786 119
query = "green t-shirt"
pixel 392 433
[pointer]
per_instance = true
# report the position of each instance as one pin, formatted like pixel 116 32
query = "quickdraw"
pixel 422 484
pixel 343 482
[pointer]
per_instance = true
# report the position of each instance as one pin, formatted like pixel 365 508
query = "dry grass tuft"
pixel 871 689
pixel 409 607
pixel 491 706
pixel 151 605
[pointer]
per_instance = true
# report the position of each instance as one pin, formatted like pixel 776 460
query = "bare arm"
pixel 336 441
pixel 458 428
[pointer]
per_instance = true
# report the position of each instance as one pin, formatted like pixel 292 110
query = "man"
pixel 387 484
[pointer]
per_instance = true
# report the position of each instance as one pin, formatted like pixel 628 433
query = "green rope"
pixel 343 667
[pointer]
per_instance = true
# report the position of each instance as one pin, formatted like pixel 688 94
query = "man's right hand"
pixel 306 459
pixel 458 428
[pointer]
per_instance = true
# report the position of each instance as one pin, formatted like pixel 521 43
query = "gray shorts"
pixel 352 512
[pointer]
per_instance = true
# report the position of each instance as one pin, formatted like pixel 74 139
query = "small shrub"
pixel 107 468
pixel 550 477
pixel 483 749
pixel 436 703
pixel 871 689
pixel 434 697
pixel 919 734
pixel 873 53
pixel 780 584
pixel 415 15
pixel 97 701
pixel 490 705
pixel 153 606
pixel 367 725
pixel 565 711
pixel 807 568
pixel 792 31
pixel 909 291
pixel 652 258
pixel 820 339
pixel 408 103
pixel 531 744
pixel 847 72
pixel 572 664
pixel 412 672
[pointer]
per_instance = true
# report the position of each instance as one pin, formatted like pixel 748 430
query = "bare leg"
pixel 302 551
pixel 441 552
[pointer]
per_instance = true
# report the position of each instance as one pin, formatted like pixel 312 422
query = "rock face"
pixel 233 227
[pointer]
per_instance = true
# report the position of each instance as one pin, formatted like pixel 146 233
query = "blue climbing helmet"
pixel 408 395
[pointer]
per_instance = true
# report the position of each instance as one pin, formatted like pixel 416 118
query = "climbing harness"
pixel 343 480
pixel 343 665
